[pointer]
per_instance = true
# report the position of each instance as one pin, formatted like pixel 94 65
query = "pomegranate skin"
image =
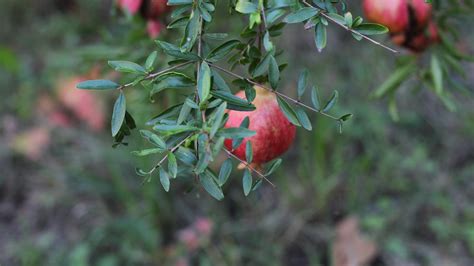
pixel 274 133
pixel 131 6
pixel 393 14
pixel 422 12
pixel 156 8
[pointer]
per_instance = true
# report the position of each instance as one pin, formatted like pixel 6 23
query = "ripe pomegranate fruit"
pixel 131 6
pixel 409 21
pixel 274 133
pixel 393 14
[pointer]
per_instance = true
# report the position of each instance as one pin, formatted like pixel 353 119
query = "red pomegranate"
pixel 393 14
pixel 424 39
pixel 275 133
pixel 154 28
pixel 421 11
pixel 131 6
pixel 156 8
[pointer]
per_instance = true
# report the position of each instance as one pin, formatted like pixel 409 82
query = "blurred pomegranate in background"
pixel 32 143
pixel 153 11
pixel 409 21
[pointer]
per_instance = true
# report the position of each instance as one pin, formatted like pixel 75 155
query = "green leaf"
pixel 164 179
pixel 179 2
pixel 98 84
pixel 437 74
pixel 222 50
pixel 220 112
pixel 267 43
pixel 246 7
pixel 172 165
pixel 315 98
pixel 174 51
pixel 288 111
pixel 233 102
pixel 186 156
pixel 248 152
pixel 273 165
pixel 302 83
pixel 345 117
pixel 150 61
pixel 395 80
pixel 330 104
pixel 262 67
pixel 127 67
pixel 320 36
pixel 303 118
pixel 118 115
pixel 191 32
pixel 247 182
pixel 273 73
pixel 235 132
pixel 218 81
pixel 168 130
pixel 301 15
pixel 204 82
pixel 184 113
pixel 147 152
pixel 371 29
pixel 210 185
pixel 348 19
pixel 225 171
pixel 172 80
pixel 153 139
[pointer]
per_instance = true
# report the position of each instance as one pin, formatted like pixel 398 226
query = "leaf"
pixel 315 98
pixel 172 165
pixel 348 19
pixel 219 82
pixel 127 67
pixel 184 113
pixel 174 51
pixel 210 185
pixel 302 83
pixel 235 132
pixel 320 36
pixel 179 2
pixel 436 74
pixel 288 111
pixel 273 166
pixel 153 139
pixel 172 80
pixel 220 112
pixel 262 67
pixel 371 29
pixel 246 7
pixel 233 102
pixel 222 50
pixel 168 130
pixel 191 32
pixel 164 179
pixel 394 81
pixel 204 83
pixel 247 182
pixel 118 114
pixel 150 61
pixel 186 156
pixel 267 43
pixel 273 73
pixel 146 152
pixel 345 117
pixel 248 152
pixel 225 171
pixel 301 15
pixel 98 84
pixel 303 118
pixel 330 104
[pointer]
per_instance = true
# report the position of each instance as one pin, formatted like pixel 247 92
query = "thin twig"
pixel 154 75
pixel 172 150
pixel 324 14
pixel 247 165
pixel 274 91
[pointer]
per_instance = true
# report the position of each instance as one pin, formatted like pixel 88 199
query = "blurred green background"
pixel 393 193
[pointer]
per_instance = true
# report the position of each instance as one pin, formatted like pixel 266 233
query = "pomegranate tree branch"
pixel 274 91
pixel 154 75
pixel 247 165
pixel 325 15
pixel 172 150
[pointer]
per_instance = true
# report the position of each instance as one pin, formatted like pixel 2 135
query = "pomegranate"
pixel 393 14
pixel 155 8
pixel 131 6
pixel 421 13
pixel 154 28
pixel 274 133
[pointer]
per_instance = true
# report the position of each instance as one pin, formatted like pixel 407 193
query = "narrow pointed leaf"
pixel 247 182
pixel 330 104
pixel 118 115
pixel 288 111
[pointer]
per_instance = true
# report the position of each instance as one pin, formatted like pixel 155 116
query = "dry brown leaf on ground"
pixel 351 248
